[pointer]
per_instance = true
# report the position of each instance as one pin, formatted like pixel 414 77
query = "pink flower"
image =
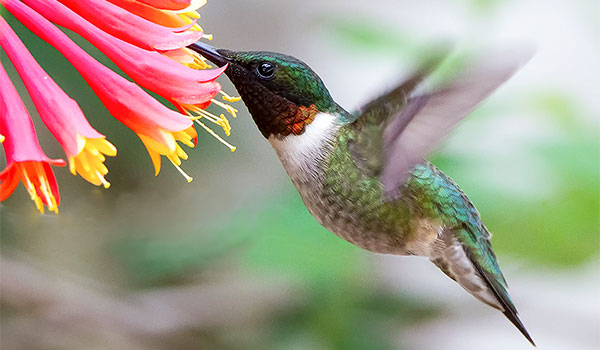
pixel 84 146
pixel 168 4
pixel 156 125
pixel 25 160
pixel 177 83
pixel 129 27
pixel 147 39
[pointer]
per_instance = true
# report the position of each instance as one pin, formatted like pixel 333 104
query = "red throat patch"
pixel 298 120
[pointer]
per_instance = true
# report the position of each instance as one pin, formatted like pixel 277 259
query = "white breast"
pixel 300 154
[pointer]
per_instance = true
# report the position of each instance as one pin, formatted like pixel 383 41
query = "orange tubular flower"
pixel 173 19
pixel 152 14
pixel 131 28
pixel 156 125
pixel 84 146
pixel 25 159
pixel 167 4
pixel 146 39
pixel 178 84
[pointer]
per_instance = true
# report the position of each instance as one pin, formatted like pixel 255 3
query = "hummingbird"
pixel 363 175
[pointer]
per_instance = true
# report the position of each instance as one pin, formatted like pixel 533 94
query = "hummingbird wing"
pixel 396 131
pixel 372 118
pixel 427 118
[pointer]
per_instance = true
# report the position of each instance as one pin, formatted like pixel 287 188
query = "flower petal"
pixel 129 27
pixel 21 143
pixel 124 100
pixel 24 157
pixel 164 18
pixel 170 80
pixel 168 4
pixel 58 111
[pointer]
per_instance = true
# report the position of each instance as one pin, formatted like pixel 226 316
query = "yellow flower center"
pixel 196 113
pixel 169 147
pixel 35 180
pixel 187 58
pixel 189 14
pixel 89 162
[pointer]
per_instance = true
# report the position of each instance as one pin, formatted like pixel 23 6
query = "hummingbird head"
pixel 282 93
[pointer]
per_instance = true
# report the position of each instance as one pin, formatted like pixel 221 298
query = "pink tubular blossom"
pixel 82 144
pixel 131 28
pixel 158 126
pixel 173 81
pixel 25 160
pixel 166 18
pixel 167 4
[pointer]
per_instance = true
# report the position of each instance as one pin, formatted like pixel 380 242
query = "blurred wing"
pixel 367 129
pixel 425 120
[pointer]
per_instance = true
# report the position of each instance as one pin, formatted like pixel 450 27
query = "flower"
pixel 129 27
pixel 172 19
pixel 84 146
pixel 177 83
pixel 156 125
pixel 25 159
pixel 168 4
pixel 147 39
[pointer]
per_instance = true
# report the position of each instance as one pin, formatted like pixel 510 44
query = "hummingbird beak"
pixel 211 53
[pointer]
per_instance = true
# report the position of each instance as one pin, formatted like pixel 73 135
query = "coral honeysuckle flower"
pixel 25 160
pixel 84 146
pixel 157 126
pixel 130 27
pixel 148 40
pixel 165 18
pixel 168 4
pixel 176 83
pixel 172 19
pixel 187 88
pixel 187 57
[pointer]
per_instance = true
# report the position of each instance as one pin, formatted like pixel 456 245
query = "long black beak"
pixel 210 53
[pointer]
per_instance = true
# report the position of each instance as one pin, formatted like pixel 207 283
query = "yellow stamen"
pixel 2 138
pixel 227 107
pixel 173 153
pixel 31 189
pixel 207 115
pixel 105 183
pixel 224 123
pixel 201 113
pixel 194 59
pixel 45 187
pixel 207 36
pixel 228 97
pixel 187 177
pixel 210 131
pixel 89 162
pixel 35 181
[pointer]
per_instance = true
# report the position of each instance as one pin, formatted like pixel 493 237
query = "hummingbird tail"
pixel 460 265
pixel 508 308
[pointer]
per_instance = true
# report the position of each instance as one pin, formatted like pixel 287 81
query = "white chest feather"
pixel 300 154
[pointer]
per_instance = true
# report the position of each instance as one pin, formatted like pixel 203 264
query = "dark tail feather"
pixel 514 318
pixel 509 308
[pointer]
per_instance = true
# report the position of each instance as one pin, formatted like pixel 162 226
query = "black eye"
pixel 266 70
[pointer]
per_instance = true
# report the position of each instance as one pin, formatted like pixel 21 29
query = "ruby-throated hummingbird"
pixel 362 175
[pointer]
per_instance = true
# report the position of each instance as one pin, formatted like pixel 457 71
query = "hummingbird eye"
pixel 266 70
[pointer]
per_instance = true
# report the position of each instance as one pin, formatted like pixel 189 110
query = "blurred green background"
pixel 234 261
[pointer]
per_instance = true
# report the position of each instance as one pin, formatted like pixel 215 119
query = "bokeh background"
pixel 234 261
